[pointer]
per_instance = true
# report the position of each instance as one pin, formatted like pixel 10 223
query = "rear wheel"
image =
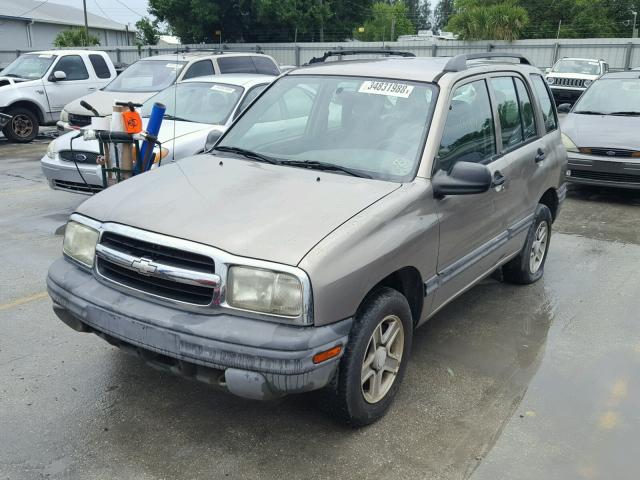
pixel 528 266
pixel 23 126
pixel 375 359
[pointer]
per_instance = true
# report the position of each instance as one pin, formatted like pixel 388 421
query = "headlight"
pixel 586 83
pixel 551 80
pixel 51 150
pixel 568 144
pixel 80 243
pixel 64 116
pixel 264 291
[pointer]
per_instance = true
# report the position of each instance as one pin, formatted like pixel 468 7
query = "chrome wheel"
pixel 21 125
pixel 539 247
pixel 382 359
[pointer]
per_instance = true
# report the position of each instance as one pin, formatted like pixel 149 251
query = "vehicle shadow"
pixel 470 367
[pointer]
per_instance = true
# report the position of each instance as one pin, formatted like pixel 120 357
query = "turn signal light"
pixel 327 354
pixel 584 150
pixel 636 154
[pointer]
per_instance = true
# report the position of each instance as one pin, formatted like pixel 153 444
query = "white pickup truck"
pixel 36 86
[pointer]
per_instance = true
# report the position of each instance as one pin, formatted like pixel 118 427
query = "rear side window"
pixel 73 66
pixel 546 102
pixel 468 134
pixel 200 69
pixel 99 66
pixel 242 64
pixel 265 66
pixel 508 109
pixel 526 111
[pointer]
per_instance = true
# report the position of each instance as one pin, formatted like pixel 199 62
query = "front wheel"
pixel 23 126
pixel 528 266
pixel 375 359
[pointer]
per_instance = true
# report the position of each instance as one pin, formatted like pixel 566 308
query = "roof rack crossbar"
pixel 223 49
pixel 459 62
pixel 363 51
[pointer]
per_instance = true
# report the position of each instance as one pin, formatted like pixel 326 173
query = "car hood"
pixel 169 131
pixel 602 131
pixel 244 207
pixel 103 101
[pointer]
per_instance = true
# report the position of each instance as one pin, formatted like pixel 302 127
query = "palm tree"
pixel 488 20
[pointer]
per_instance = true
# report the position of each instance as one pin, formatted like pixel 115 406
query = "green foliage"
pixel 305 16
pixel 488 20
pixel 75 37
pixel 147 31
pixel 387 22
pixel 441 14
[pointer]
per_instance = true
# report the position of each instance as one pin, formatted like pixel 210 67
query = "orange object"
pixel 132 122
pixel 327 354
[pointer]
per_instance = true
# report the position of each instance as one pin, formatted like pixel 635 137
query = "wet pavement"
pixel 507 382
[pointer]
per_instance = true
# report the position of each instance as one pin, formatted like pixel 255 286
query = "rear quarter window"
pixel 546 102
pixel 265 66
pixel 99 66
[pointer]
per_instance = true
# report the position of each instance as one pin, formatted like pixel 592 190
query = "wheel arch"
pixel 408 282
pixel 29 105
pixel 550 199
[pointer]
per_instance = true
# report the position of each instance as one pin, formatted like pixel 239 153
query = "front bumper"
pixel 250 358
pixel 600 171
pixel 566 95
pixel 63 175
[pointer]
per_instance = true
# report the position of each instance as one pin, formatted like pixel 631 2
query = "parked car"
pixel 195 108
pixel 569 77
pixel 35 87
pixel 303 258
pixel 600 133
pixel 148 76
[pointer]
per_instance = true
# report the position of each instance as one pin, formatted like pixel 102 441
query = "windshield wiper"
pixel 589 112
pixel 315 165
pixel 626 114
pixel 12 75
pixel 172 117
pixel 247 153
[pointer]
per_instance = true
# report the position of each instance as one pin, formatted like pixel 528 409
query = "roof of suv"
pixel 188 56
pixel 420 69
pixel 242 80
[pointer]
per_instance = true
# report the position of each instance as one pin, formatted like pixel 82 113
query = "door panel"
pixel 77 84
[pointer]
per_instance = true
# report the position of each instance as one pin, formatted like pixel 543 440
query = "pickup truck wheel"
pixel 375 359
pixel 528 266
pixel 23 126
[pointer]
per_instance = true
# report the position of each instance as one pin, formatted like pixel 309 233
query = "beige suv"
pixel 346 206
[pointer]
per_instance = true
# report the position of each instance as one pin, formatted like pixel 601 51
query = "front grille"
pixel 79 156
pixel 79 120
pixel 606 176
pixel 568 82
pixel 195 294
pixel 77 186
pixel 609 152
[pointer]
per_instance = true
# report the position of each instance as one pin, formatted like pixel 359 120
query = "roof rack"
pixel 459 62
pixel 363 51
pixel 223 49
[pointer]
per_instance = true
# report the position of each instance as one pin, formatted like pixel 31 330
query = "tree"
pixel 303 18
pixel 75 37
pixel 147 31
pixel 441 14
pixel 488 20
pixel 419 11
pixel 387 22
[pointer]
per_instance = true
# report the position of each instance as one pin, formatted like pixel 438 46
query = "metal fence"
pixel 621 54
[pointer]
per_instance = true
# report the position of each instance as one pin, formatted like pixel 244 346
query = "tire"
pixel 523 269
pixel 348 398
pixel 23 127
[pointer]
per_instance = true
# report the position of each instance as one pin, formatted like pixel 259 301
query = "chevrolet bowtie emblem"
pixel 144 266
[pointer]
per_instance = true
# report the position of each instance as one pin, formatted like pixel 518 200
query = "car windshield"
pixel 200 102
pixel 586 67
pixel 30 66
pixel 611 96
pixel 146 76
pixel 373 127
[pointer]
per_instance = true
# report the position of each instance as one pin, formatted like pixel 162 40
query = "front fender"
pixel 399 230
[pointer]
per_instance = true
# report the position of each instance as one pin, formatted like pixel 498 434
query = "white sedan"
pixel 195 108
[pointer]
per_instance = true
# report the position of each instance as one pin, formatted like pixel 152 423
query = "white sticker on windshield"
pixel 391 89
pixel 45 56
pixel 222 88
pixel 173 65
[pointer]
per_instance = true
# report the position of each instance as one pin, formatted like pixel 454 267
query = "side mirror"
pixel 466 178
pixel 564 108
pixel 212 138
pixel 547 70
pixel 58 75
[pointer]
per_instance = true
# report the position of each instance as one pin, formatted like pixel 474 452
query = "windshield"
pixel 611 95
pixel 201 102
pixel 146 76
pixel 368 125
pixel 30 66
pixel 586 67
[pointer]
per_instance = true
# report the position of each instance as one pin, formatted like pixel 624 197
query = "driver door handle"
pixel 92 89
pixel 498 180
pixel 540 155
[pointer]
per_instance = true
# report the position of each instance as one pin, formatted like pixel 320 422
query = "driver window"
pixel 73 66
pixel 468 134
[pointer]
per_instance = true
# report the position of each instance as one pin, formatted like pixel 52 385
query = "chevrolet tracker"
pixel 346 206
